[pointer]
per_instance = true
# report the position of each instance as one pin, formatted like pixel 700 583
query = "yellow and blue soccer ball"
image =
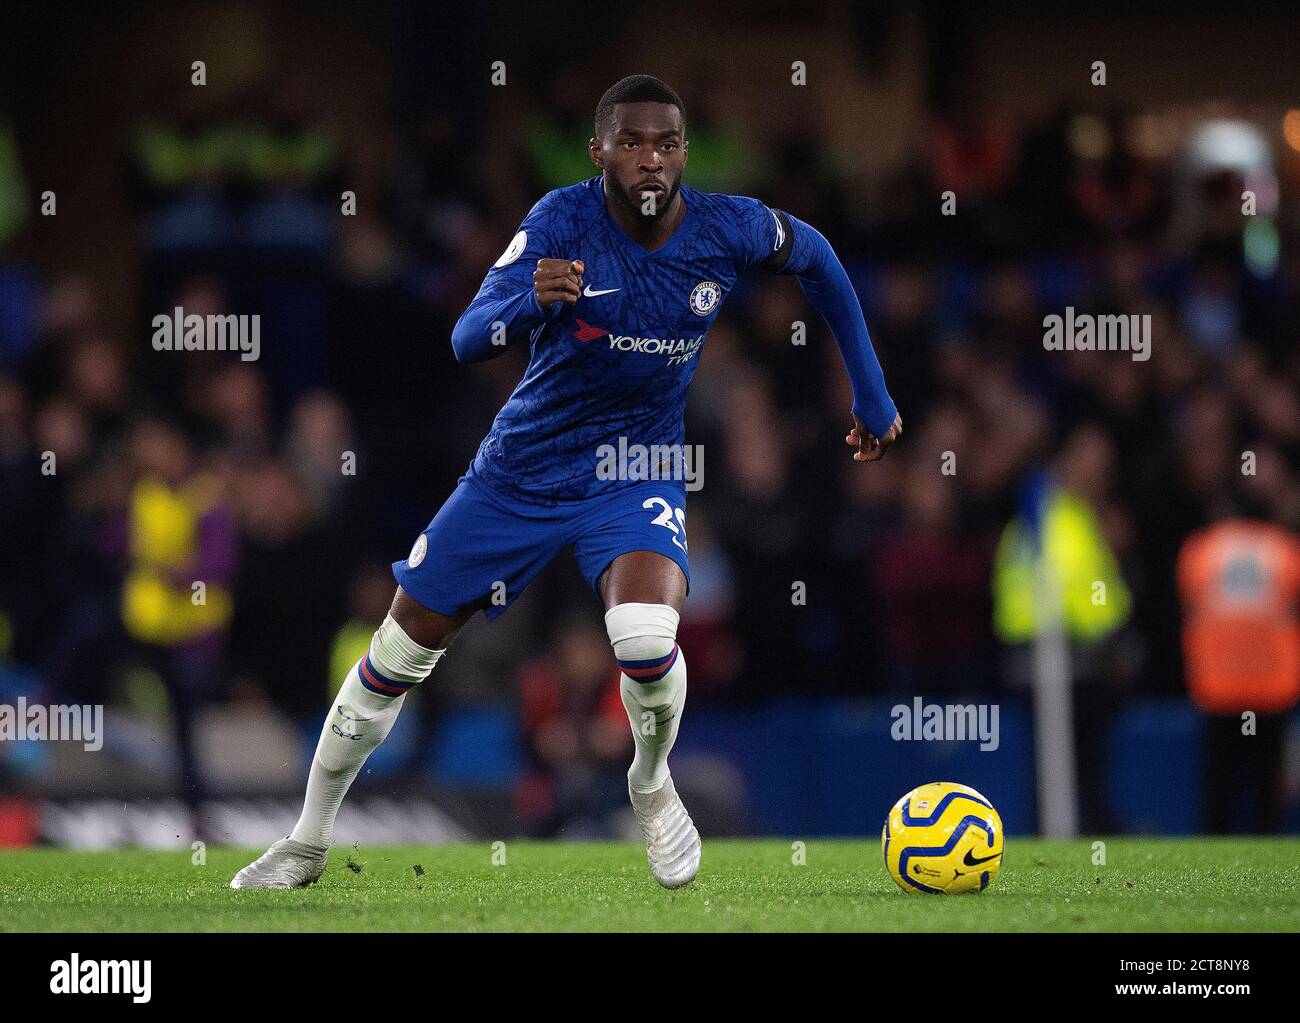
pixel 943 839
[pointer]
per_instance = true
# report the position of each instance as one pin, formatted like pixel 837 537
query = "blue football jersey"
pixel 617 363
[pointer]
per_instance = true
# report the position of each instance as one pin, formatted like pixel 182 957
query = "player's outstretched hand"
pixel 871 448
pixel 557 280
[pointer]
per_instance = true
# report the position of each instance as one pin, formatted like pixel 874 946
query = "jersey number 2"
pixel 665 519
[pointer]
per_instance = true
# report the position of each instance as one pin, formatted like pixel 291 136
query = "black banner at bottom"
pixel 151 972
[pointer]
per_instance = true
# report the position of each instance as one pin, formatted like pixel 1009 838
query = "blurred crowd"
pixel 286 485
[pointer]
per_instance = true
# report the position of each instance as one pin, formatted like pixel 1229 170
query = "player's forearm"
pixel 828 288
pixel 490 323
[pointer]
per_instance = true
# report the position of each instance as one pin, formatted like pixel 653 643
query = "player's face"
pixel 642 154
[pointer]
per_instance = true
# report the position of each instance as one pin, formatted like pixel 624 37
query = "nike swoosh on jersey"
pixel 588 293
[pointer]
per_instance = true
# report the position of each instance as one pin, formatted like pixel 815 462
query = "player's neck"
pixel 649 232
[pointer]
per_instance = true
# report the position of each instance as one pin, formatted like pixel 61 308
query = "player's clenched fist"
pixel 557 280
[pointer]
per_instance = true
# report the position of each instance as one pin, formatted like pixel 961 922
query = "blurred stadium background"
pixel 172 467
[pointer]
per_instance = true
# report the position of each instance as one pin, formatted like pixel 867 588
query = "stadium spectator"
pixel 176 600
pixel 1055 567
pixel 1240 581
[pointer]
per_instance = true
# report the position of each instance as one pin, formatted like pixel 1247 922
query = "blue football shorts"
pixel 482 549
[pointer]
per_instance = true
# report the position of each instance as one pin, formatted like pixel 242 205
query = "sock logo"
pixel 343 709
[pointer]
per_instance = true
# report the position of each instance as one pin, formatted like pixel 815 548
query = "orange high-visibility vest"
pixel 1240 585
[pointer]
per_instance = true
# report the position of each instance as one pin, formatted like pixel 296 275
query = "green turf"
pixel 1146 885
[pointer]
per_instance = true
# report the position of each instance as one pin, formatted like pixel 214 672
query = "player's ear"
pixel 596 152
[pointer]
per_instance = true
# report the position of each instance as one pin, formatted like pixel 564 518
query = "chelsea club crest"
pixel 704 296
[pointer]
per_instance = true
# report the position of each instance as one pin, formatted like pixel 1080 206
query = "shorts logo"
pixel 418 551
pixel 704 296
pixel 513 251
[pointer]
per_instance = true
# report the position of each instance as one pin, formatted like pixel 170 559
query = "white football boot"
pixel 287 864
pixel 672 845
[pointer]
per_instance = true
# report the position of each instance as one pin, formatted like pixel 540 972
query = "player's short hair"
pixel 636 89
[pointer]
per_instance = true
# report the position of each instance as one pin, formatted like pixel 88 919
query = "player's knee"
pixel 395 662
pixel 644 637
pixel 428 628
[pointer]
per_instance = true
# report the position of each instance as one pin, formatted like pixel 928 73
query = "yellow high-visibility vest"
pixel 164 526
pixel 1094 599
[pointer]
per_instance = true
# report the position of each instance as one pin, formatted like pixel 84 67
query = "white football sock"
pixel 363 713
pixel 653 684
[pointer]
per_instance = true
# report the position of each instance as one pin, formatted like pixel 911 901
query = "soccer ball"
pixel 943 839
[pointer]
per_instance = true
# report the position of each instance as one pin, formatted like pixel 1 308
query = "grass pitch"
pixel 1146 885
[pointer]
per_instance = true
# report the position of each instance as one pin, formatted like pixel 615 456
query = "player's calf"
pixel 653 684
pixel 361 716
